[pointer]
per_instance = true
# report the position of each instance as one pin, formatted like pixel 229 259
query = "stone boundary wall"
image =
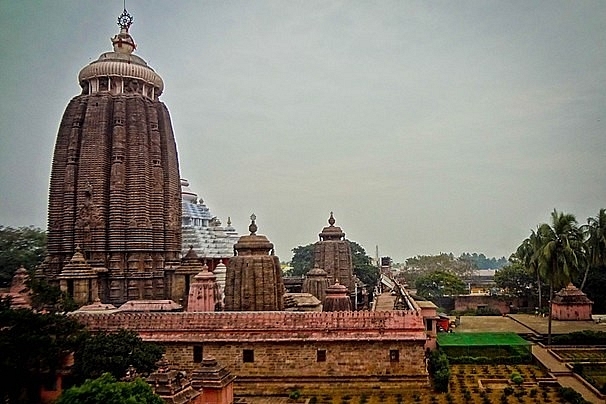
pixel 262 326
pixel 270 352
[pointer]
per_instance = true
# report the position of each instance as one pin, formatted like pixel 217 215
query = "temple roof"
pixel 253 244
pixel 331 232
pixel 202 230
pixel 121 62
pixel 571 295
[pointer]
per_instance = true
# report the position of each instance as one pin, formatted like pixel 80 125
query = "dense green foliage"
pixel 114 353
pixel 571 396
pixel 439 284
pixel 595 287
pixel 49 297
pixel 20 246
pixel 515 281
pixel 32 347
pixel 439 370
pixel 303 261
pixel 106 390
pixel 586 337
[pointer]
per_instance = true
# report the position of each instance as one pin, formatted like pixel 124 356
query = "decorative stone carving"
pixel 104 141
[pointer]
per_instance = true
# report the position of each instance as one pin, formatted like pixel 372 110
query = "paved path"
pixel 563 374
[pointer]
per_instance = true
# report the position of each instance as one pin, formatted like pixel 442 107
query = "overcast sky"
pixel 426 126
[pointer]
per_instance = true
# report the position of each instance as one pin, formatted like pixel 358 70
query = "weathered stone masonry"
pixel 269 351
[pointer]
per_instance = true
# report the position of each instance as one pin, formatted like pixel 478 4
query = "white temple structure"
pixel 213 243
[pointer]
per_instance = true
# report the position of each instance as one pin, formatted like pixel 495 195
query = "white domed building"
pixel 213 243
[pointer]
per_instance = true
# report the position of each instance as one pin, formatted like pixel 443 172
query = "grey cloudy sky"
pixel 426 126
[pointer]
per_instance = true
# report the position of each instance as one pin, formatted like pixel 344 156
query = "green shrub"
pixel 572 396
pixel 439 370
pixel 516 378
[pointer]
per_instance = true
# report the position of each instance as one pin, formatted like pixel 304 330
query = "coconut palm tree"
pixel 528 253
pixel 595 232
pixel 562 255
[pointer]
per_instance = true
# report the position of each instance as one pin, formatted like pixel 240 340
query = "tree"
pixel 33 348
pixel 107 390
pixel 302 260
pixel 424 264
pixel 20 246
pixel 595 231
pixel 439 370
pixel 528 254
pixel 49 297
pixel 114 353
pixel 439 284
pixel 562 255
pixel 515 280
pixel 362 265
pixel 595 287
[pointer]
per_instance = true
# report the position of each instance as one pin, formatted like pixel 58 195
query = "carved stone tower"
pixel 254 276
pixel 204 293
pixel 316 282
pixel 114 188
pixel 333 254
pixel 337 299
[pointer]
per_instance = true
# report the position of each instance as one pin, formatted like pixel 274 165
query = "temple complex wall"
pixel 266 367
pixel 269 351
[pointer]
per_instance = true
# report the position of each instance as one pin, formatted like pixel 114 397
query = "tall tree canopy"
pixel 515 280
pixel 20 246
pixel 439 284
pixel 595 233
pixel 32 348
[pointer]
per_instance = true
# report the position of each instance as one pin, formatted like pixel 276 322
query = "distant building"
pixel 202 231
pixel 571 303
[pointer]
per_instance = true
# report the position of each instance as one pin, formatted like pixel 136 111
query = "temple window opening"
pixel 248 356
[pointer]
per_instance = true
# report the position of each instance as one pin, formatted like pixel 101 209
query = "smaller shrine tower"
pixel 254 276
pixel 333 254
pixel 204 292
pixel 316 282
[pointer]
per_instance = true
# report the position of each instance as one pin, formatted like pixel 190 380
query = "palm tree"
pixel 528 253
pixel 595 231
pixel 562 254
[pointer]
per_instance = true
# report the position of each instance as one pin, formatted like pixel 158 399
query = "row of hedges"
pixel 586 337
pixel 495 360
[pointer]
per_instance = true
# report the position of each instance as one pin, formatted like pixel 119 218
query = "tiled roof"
pixel 262 326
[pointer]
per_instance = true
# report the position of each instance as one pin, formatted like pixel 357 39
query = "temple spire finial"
pixel 331 220
pixel 253 226
pixel 125 20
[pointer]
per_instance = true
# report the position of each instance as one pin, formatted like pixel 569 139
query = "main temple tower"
pixel 115 191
